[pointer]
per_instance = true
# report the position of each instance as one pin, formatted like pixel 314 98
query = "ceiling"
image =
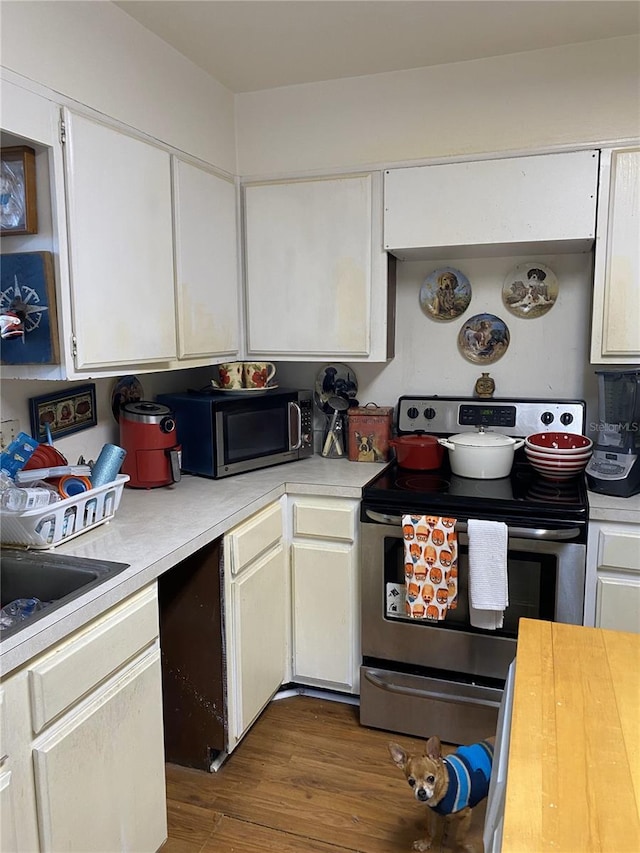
pixel 249 45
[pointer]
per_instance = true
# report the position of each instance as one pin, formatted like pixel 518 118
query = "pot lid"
pixel 414 440
pixel 484 438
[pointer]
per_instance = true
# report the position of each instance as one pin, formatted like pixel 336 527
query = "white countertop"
pixel 155 529
pixel 608 508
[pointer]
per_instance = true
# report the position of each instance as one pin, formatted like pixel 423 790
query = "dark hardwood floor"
pixel 307 778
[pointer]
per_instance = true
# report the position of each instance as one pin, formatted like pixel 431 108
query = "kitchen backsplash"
pixel 546 357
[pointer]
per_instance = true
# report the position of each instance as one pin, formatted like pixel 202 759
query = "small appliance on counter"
pixel 245 429
pixel 614 468
pixel 148 435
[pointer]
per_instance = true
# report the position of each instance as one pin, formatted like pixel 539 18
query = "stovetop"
pixel 523 495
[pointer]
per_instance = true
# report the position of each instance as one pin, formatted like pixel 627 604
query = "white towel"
pixel 488 586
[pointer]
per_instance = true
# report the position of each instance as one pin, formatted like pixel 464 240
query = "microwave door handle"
pixel 297 444
pixel 461 527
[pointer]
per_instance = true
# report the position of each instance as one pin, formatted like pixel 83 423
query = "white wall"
pixel 547 356
pixel 96 54
pixel 567 95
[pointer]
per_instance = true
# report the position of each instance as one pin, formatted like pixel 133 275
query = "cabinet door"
pixel 616 302
pixel 618 602
pixel 120 244
pixel 207 294
pixel 98 791
pixel 8 838
pixel 257 663
pixel 323 613
pixel 549 200
pixel 314 276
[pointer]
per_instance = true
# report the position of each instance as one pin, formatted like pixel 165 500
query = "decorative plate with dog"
pixel 530 290
pixel 445 294
pixel 483 339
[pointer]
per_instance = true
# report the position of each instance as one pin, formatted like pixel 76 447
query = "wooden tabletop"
pixel 573 781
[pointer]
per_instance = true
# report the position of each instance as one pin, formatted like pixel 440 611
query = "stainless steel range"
pixel 422 677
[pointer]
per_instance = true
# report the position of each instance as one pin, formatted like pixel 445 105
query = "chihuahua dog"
pixel 451 786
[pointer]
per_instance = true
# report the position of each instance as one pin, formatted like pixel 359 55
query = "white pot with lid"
pixel 481 455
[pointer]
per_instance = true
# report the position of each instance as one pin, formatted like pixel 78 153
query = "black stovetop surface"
pixel 522 496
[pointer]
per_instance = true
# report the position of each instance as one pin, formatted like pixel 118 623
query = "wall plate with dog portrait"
pixel 445 294
pixel 483 339
pixel 530 290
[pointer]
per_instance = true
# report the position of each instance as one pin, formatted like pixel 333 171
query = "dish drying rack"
pixel 45 527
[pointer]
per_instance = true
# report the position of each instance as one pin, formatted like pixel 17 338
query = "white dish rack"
pixel 46 527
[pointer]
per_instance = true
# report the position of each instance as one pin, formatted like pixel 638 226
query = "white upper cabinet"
pixel 615 334
pixel 207 288
pixel 485 206
pixel 317 280
pixel 119 209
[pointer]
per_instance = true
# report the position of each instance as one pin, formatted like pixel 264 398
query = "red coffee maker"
pixel 148 434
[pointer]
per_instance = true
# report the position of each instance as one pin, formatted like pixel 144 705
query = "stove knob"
pixel 566 418
pixel 429 414
pixel 412 412
pixel 546 418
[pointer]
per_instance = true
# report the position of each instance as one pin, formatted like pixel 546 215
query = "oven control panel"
pixel 448 415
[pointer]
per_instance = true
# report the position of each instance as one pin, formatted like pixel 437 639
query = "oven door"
pixel 546 581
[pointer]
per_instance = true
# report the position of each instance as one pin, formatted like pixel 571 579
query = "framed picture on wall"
pixel 18 207
pixel 29 323
pixel 64 412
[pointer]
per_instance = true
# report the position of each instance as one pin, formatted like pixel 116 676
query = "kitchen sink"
pixel 53 578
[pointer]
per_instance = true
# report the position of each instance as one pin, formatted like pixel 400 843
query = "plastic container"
pixel 15 499
pixel 369 431
pixel 26 476
pixel 47 526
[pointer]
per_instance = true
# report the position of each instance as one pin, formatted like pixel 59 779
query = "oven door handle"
pixel 391 687
pixel 516 532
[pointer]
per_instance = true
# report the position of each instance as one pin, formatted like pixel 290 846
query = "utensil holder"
pixel 333 445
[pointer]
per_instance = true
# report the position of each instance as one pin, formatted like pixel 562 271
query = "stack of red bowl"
pixel 558 455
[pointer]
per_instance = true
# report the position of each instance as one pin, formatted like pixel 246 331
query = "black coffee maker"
pixel 614 468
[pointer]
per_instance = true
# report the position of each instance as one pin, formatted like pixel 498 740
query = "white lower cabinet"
pixel 84 739
pixel 324 572
pixel 613 564
pixel 256 593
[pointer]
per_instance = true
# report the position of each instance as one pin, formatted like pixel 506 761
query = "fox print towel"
pixel 430 565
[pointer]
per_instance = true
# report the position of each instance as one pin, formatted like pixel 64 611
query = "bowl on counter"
pixel 559 443
pixel 557 469
pixel 541 456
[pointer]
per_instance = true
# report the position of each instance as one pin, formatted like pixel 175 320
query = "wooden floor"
pixel 307 778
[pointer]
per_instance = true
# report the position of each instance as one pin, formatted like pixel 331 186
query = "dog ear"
pixel 433 748
pixel 398 754
pixel 358 436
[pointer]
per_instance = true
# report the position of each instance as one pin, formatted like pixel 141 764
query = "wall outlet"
pixel 8 431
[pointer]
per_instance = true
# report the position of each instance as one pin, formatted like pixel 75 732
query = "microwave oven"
pixel 226 433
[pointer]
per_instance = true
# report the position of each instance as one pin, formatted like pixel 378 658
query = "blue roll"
pixel 107 465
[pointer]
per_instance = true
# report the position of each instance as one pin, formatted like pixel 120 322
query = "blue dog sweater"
pixel 469 770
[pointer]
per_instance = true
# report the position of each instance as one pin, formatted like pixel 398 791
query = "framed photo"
pixel 65 412
pixel 29 327
pixel 18 204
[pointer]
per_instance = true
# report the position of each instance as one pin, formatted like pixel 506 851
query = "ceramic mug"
pixel 258 374
pixel 231 374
